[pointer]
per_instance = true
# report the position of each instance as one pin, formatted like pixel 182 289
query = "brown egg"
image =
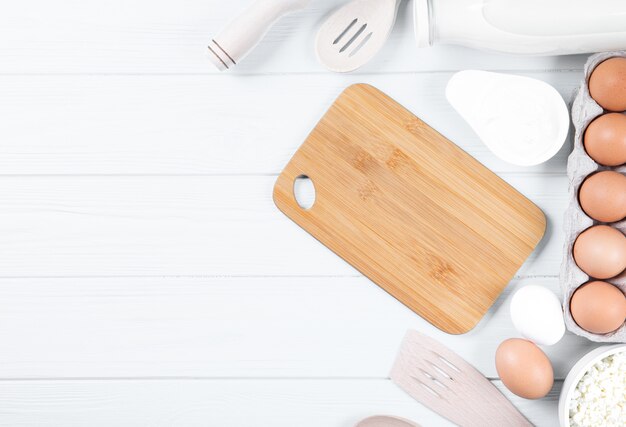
pixel 603 196
pixel 607 84
pixel 605 139
pixel 600 251
pixel 598 307
pixel 524 368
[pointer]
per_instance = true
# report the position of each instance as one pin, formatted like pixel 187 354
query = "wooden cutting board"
pixel 410 210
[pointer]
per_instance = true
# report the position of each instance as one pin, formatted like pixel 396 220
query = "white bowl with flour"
pixel 523 121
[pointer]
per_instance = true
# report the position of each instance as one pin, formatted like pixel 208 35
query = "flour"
pixel 523 121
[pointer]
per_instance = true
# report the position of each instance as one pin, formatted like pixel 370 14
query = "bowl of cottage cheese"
pixel 594 392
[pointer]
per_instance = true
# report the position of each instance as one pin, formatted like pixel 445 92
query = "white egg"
pixel 537 315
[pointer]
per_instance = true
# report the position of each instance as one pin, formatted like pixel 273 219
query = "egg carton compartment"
pixel 579 166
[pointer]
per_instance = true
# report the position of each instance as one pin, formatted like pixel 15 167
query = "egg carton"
pixel 579 166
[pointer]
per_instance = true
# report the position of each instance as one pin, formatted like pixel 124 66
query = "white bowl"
pixel 577 372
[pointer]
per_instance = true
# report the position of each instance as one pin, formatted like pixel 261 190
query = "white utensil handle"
pixel 239 37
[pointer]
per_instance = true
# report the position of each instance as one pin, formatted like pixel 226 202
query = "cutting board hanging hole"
pixel 304 192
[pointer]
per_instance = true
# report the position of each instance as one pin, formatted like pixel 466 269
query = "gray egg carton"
pixel 579 166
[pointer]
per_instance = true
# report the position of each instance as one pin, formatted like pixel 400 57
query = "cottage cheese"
pixel 599 399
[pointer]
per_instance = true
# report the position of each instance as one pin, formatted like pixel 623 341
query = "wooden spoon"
pixel 384 421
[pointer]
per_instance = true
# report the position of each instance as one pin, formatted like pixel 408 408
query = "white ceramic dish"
pixel 523 121
pixel 577 372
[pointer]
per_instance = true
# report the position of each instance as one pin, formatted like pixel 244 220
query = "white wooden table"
pixel 146 277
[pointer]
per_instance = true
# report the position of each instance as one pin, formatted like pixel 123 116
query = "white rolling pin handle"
pixel 529 27
pixel 240 36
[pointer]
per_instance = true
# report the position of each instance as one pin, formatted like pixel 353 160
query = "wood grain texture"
pixel 224 403
pixel 289 327
pixel 410 210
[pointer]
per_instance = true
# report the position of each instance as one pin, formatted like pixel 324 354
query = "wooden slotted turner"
pixel 438 378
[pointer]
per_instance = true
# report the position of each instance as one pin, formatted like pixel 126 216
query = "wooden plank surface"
pixel 188 226
pixel 165 37
pixel 204 124
pixel 225 403
pixel 288 327
pixel 140 244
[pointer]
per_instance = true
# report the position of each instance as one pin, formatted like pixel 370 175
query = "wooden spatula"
pixel 355 33
pixel 444 382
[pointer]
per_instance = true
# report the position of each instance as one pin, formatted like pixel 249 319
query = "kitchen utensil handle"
pixel 242 34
